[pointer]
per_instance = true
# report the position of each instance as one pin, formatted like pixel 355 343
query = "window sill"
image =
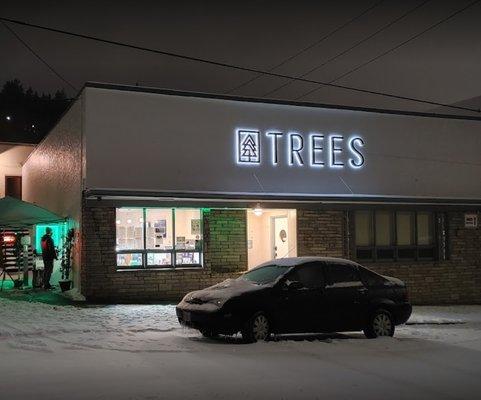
pixel 160 269
pixel 398 261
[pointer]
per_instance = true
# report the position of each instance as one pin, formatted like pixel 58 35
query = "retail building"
pixel 172 191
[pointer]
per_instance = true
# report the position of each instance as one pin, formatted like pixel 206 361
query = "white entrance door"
pixel 280 237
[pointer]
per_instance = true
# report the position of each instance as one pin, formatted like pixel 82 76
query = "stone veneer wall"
pixel 225 245
pixel 454 281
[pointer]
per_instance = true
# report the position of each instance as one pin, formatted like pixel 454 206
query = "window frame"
pixel 173 252
pixel 333 264
pixel 394 247
pixel 311 264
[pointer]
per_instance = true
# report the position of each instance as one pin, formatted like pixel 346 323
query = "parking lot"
pixel 140 352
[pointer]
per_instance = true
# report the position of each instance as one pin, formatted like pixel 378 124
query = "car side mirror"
pixel 294 285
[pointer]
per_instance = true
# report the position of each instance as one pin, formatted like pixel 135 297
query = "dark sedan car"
pixel 299 295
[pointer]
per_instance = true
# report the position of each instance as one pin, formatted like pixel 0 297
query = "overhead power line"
pixel 42 60
pixel 317 42
pixel 357 44
pixel 395 48
pixel 236 67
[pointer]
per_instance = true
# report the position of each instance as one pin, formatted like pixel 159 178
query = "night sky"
pixel 442 65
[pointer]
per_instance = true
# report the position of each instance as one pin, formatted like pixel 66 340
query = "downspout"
pixel 348 237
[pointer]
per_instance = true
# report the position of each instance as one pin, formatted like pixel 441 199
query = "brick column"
pixel 98 250
pixel 225 236
pixel 320 233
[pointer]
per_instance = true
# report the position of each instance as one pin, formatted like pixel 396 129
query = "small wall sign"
pixel 471 220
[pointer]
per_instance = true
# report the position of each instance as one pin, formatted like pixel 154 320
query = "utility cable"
pixel 396 48
pixel 317 42
pixel 43 61
pixel 238 67
pixel 357 44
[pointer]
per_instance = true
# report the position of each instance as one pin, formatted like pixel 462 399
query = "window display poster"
pixel 180 242
pixel 160 228
pixel 195 226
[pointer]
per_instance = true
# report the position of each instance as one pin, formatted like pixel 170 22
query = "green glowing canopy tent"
pixel 16 213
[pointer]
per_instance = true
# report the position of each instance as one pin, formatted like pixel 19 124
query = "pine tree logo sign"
pixel 301 150
pixel 248 147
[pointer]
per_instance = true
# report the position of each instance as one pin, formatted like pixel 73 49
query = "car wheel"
pixel 256 329
pixel 380 323
pixel 209 334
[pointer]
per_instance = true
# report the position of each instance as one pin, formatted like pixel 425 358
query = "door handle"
pixel 362 290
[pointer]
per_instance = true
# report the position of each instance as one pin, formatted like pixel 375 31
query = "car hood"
pixel 394 281
pixel 225 290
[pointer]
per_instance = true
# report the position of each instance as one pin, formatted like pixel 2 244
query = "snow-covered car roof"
pixel 293 261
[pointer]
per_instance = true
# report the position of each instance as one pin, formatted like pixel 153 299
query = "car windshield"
pixel 266 274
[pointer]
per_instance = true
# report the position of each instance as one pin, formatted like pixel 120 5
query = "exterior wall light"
pixel 258 211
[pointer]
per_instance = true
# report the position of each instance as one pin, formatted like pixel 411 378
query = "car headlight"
pixel 218 302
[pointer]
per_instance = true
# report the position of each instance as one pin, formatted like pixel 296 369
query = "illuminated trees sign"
pixel 315 150
pixel 249 147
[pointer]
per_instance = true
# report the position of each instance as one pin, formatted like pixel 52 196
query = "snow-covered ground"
pixel 140 352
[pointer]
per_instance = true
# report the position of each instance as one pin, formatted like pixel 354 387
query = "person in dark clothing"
pixel 48 255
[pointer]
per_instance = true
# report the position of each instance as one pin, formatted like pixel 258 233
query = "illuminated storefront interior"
pixel 158 237
pixel 271 233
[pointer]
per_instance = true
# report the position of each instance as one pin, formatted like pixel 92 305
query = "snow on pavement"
pixel 32 326
pixel 140 352
pixel 445 314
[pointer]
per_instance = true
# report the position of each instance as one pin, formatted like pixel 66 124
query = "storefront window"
pixel 129 228
pixel 363 228
pixel 398 235
pixel 159 228
pixel 404 228
pixel 159 259
pixel 129 260
pixel 425 229
pixel 159 237
pixel 187 258
pixel 188 236
pixel 383 228
pixel 187 229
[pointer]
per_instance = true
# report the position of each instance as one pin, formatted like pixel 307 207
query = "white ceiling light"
pixel 258 210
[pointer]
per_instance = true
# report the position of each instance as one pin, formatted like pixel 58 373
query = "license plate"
pixel 186 316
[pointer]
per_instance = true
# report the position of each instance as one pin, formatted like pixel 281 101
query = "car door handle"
pixel 362 290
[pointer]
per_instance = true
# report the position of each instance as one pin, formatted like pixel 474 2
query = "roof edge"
pixel 18 143
pixel 282 197
pixel 218 96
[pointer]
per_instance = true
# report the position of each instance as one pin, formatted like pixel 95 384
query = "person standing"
pixel 48 255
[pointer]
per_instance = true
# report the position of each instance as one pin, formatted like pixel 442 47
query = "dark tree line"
pixel 25 115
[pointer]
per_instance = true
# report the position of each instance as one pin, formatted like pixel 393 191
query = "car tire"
pixel 257 328
pixel 381 323
pixel 209 334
